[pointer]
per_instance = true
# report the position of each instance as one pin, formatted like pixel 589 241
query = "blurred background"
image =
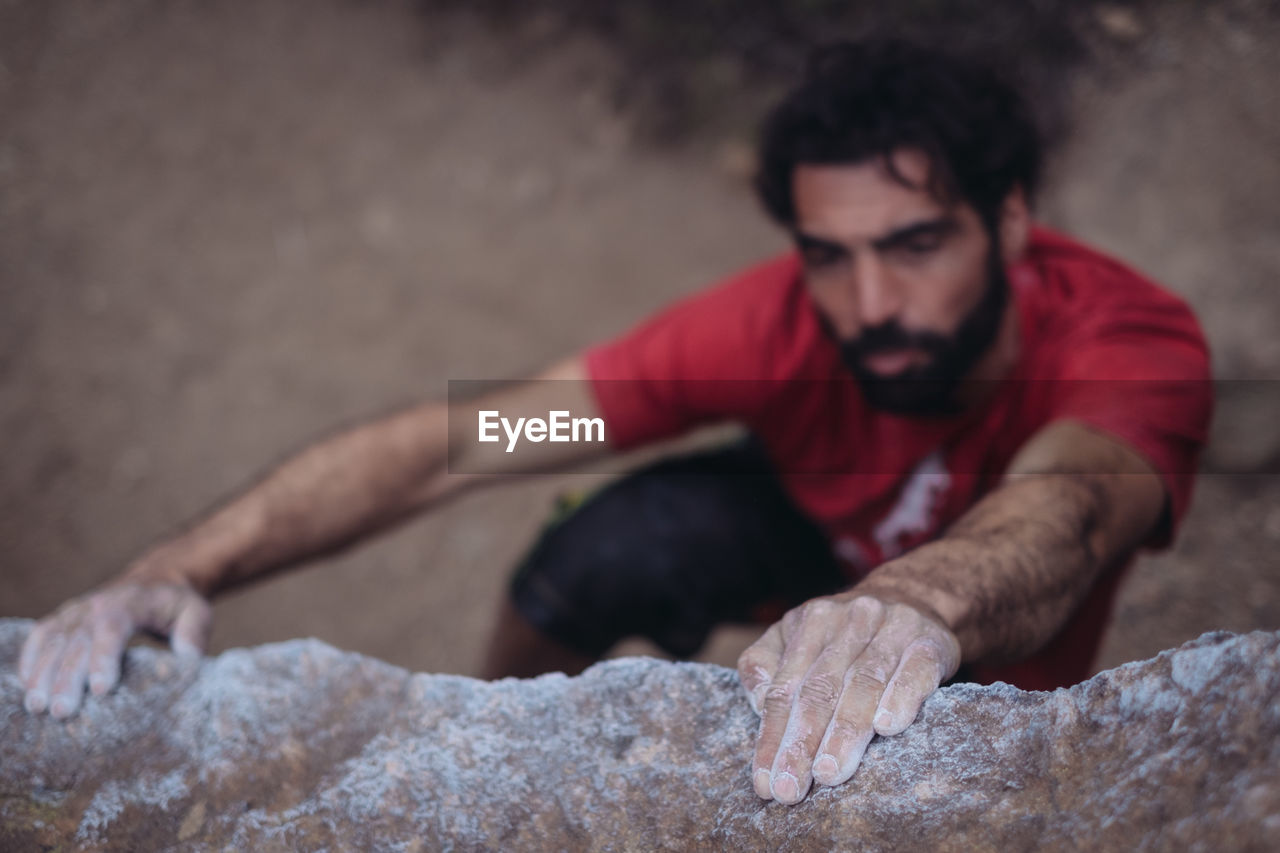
pixel 229 228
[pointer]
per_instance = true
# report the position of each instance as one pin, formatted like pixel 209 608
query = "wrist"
pixel 203 557
pixel 174 562
pixel 904 582
pixel 159 564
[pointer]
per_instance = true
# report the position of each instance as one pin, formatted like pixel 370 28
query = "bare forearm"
pixel 838 669
pixel 331 494
pixel 1007 575
pixel 325 497
pixel 364 480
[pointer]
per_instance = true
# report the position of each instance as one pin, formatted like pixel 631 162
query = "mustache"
pixel 889 336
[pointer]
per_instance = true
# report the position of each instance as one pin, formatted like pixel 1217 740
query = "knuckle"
pixel 105 607
pixel 855 633
pixel 814 608
pixel 936 649
pixel 53 642
pixel 865 608
pixel 751 669
pixel 950 644
pixel 69 617
pixel 116 594
pixel 924 649
pixel 791 620
pixel 53 624
pixel 819 691
pixel 821 608
pixel 816 616
pixel 830 612
pixel 793 757
pixel 779 693
pixel 62 610
pixel 843 730
pixel 868 678
pixel 78 643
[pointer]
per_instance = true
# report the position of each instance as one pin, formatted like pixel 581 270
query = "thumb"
pixel 190 633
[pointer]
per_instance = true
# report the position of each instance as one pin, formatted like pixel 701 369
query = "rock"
pixel 301 746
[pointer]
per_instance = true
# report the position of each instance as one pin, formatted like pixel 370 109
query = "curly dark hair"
pixel 861 101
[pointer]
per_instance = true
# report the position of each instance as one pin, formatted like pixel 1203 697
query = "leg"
pixel 519 650
pixel 666 553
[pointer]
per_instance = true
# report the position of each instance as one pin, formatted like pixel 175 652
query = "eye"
pixel 923 244
pixel 917 246
pixel 818 256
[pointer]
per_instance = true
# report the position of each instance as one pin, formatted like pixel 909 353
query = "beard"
pixel 929 389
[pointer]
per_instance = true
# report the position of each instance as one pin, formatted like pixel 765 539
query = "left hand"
pixel 832 674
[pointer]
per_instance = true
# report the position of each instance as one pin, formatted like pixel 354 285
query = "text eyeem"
pixel 558 426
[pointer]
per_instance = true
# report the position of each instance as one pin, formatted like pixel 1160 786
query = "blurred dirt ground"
pixel 228 228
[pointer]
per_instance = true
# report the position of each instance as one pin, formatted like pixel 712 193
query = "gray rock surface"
pixel 301 746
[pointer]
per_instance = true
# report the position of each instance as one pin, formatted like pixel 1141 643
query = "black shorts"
pixel 672 550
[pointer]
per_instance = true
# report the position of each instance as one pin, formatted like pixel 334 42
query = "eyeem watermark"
pixel 558 426
pixel 531 426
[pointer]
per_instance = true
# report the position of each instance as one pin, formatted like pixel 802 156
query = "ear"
pixel 1014 225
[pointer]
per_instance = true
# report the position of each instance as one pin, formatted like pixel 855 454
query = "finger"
pixel 921 671
pixel 757 665
pixel 68 684
pixel 190 634
pixel 851 729
pixel 813 629
pixel 175 611
pixel 811 713
pixel 111 633
pixel 30 651
pixel 44 669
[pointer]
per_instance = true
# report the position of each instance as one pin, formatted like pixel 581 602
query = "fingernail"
pixel 185 650
pixel 60 708
pixel 99 684
pixel 826 769
pixel 884 720
pixel 785 788
pixel 761 781
pixel 35 702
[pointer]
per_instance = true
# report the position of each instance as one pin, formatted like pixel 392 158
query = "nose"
pixel 878 294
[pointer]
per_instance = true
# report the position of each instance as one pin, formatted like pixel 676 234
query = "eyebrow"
pixel 940 226
pixel 808 240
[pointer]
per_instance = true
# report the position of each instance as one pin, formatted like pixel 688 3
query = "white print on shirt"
pixel 848 549
pixel 919 500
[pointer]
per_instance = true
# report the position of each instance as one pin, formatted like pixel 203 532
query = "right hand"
pixel 835 672
pixel 84 639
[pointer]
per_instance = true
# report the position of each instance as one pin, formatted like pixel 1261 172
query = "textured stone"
pixel 299 745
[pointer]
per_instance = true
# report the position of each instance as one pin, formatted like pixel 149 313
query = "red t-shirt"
pixel 1099 344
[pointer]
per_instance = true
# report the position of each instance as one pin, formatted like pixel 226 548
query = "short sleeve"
pixel 705 359
pixel 1138 368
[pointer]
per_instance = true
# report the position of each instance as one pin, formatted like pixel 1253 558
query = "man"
pixel 962 428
